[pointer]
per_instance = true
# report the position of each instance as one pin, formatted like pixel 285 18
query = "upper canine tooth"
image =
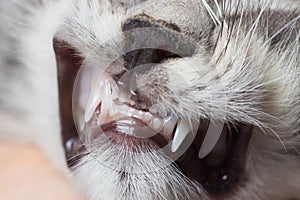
pixel 169 126
pixel 122 98
pixel 95 98
pixel 115 89
pixel 93 102
pixel 212 136
pixel 107 99
pixel 183 129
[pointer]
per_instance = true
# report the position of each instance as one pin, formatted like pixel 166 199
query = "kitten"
pixel 171 99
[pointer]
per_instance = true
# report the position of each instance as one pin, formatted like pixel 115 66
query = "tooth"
pixel 132 112
pixel 93 102
pixel 99 120
pixel 153 109
pixel 163 112
pixel 213 133
pixel 156 124
pixel 143 106
pixel 107 100
pixel 141 113
pixel 115 90
pixel 132 93
pixel 132 103
pixel 182 130
pixel 122 98
pixel 169 126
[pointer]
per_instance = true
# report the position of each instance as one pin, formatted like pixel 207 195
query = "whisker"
pixel 240 23
pixel 211 13
pixel 279 31
pixel 219 9
pixel 251 31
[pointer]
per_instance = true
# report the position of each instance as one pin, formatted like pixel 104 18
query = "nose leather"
pixel 147 40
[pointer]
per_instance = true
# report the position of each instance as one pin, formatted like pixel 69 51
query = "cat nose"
pixel 147 40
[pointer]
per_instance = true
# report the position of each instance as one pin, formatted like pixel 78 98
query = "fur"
pixel 246 69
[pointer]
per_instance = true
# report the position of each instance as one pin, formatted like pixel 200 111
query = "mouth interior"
pixel 114 112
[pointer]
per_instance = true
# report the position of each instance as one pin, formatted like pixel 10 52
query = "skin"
pixel 26 174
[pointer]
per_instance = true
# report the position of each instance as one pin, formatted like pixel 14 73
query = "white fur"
pixel 256 85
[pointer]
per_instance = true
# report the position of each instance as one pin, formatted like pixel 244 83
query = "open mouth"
pixel 129 124
pixel 211 153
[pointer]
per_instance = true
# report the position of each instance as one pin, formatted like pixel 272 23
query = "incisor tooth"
pixel 182 130
pixel 163 112
pixel 212 136
pixel 153 109
pixel 156 124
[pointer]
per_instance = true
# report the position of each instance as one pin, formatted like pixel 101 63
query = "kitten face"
pixel 176 99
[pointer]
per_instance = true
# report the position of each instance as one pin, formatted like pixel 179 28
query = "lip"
pixel 130 133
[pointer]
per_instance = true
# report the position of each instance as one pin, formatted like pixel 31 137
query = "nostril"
pixel 145 56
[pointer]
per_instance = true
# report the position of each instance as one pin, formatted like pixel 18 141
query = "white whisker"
pixel 252 30
pixel 212 13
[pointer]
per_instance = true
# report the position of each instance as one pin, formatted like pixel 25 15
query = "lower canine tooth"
pixel 183 129
pixel 212 136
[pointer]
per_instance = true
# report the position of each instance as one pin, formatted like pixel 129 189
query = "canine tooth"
pixel 115 90
pixel 107 100
pixel 169 126
pixel 99 120
pixel 182 130
pixel 93 102
pixel 122 99
pixel 213 134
